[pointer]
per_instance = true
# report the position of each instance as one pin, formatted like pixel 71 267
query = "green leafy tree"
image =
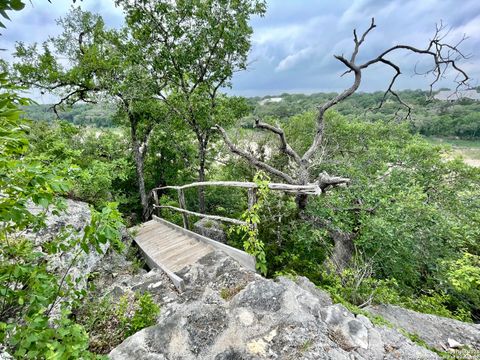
pixel 9 5
pixel 102 63
pixel 408 215
pixel 30 291
pixel 194 47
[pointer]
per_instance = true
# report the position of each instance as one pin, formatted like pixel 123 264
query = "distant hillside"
pixel 429 117
pixel 99 115
pixel 456 119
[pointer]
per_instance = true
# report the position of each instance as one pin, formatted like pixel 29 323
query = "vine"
pixel 251 243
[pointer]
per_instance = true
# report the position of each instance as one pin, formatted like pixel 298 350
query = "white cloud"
pixel 294 44
pixel 292 60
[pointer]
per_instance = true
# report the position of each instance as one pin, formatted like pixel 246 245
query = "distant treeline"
pixel 428 117
pixel 98 115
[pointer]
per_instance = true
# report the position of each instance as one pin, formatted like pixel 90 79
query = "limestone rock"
pixel 211 229
pixel 76 216
pixel 3 354
pixel 228 312
pixel 72 221
pixel 434 330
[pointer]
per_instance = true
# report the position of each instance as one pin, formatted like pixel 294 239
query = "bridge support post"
pixel 252 197
pixel 181 202
pixel 155 201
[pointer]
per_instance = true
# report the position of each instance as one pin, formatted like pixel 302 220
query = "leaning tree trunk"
pixel 343 249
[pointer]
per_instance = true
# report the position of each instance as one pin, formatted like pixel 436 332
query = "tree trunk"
pixel 202 153
pixel 138 154
pixel 302 199
pixel 343 249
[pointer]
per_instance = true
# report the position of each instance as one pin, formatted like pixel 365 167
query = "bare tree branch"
pixel 252 159
pixel 325 181
pixel 358 43
pixel 443 60
pixel 390 88
pixel 445 56
pixel 321 110
pixel 284 146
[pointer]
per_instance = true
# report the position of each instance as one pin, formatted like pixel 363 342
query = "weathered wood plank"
pixel 191 259
pixel 242 257
pixel 172 248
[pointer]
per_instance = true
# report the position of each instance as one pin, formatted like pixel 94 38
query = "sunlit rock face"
pixel 228 312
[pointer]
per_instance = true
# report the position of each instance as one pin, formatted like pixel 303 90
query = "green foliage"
pixel 146 312
pixel 9 5
pixel 228 293
pixel 30 290
pixel 21 181
pixel 94 115
pixel 463 278
pixel 357 287
pixel 251 243
pixel 353 287
pixel 95 161
pixel 430 118
pixel 408 210
pixel 109 321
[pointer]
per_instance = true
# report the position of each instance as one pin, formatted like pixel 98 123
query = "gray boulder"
pixel 438 332
pixel 211 229
pixel 76 216
pixel 228 312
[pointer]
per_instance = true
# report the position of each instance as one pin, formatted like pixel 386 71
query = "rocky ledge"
pixel 440 333
pixel 228 312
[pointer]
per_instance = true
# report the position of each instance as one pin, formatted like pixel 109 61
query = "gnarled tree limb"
pixel 325 181
pixel 284 146
pixel 252 159
pixel 444 55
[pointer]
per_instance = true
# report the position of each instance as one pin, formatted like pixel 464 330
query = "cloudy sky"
pixel 294 44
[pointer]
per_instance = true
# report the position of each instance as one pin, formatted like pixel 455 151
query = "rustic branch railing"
pixel 310 189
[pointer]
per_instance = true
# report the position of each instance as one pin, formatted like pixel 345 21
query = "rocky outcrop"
pixel 228 312
pixel 438 332
pixel 211 229
pixel 67 224
pixel 75 217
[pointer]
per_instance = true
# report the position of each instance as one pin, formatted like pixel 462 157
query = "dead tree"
pixel 445 56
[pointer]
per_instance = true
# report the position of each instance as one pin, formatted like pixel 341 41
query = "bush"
pixel 109 322
pixel 29 290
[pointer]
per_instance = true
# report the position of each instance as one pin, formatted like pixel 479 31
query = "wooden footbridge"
pixel 171 247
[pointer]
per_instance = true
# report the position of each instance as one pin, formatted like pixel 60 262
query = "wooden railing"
pixel 309 189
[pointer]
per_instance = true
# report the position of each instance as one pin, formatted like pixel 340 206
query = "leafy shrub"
pixel 109 322
pixel 29 290
pixel 462 277
pixel 360 288
pixel 145 314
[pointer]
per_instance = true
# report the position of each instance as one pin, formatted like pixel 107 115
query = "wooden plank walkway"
pixel 172 248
